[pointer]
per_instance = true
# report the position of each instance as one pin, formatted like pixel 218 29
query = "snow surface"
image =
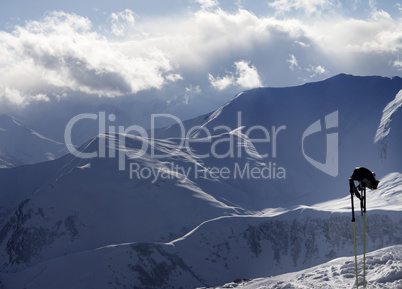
pixel 83 223
pixel 21 145
pixel 219 250
pixel 383 270
pixel 384 127
pixel 383 197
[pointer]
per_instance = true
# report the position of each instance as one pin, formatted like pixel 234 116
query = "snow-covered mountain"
pixel 384 270
pixel 365 109
pixel 20 144
pixel 215 210
pixel 221 249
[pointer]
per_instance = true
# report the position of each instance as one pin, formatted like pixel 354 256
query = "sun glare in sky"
pixel 189 54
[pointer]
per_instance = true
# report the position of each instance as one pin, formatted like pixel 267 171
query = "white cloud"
pixel 63 54
pixel 190 92
pixel 173 77
pixel 122 22
pixel 350 37
pixel 302 44
pixel 308 6
pixel 378 15
pixel 293 62
pixel 398 64
pixel 319 69
pixel 12 96
pixel 315 70
pixel 220 83
pixel 205 4
pixel 372 4
pixel 245 76
pixel 208 38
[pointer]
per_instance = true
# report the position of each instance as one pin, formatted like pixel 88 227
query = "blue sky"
pixel 16 12
pixel 191 55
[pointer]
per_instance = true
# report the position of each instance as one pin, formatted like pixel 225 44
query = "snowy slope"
pixel 228 248
pixel 359 103
pixel 383 270
pixel 7 161
pixel 22 145
pixel 190 230
pixel 85 204
pixel 291 239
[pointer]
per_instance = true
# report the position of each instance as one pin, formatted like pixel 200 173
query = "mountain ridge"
pixel 22 145
pixel 113 214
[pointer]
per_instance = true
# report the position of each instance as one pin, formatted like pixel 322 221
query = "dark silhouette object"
pixel 365 177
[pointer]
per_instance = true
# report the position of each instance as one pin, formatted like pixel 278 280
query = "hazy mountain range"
pixel 260 190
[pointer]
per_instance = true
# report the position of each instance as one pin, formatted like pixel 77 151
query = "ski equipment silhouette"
pixel 366 179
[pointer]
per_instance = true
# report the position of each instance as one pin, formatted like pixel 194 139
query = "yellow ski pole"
pixel 354 237
pixel 364 253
